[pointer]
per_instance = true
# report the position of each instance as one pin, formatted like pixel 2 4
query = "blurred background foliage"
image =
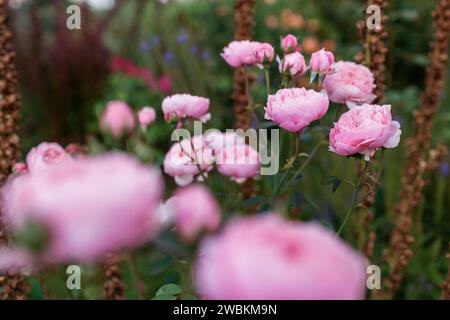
pixel 142 50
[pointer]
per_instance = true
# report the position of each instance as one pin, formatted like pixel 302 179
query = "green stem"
pixel 135 278
pixel 267 76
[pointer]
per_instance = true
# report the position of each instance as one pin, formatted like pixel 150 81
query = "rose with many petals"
pixel 350 83
pixel 239 161
pixel 218 140
pixel 364 129
pixel 240 53
pixel 117 119
pixel 321 62
pixel 179 106
pixel 294 109
pixel 268 258
pixel 289 43
pixel 293 64
pixel 146 116
pixel 195 211
pixel 90 207
pixel 47 155
pixel 187 159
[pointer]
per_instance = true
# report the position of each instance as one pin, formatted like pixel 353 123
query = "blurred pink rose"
pixel 47 155
pixel 195 211
pixel 289 43
pixel 293 63
pixel 264 53
pixel 293 109
pixel 350 83
pixel 89 207
pixel 146 116
pixel 267 258
pixel 218 140
pixel 239 161
pixel 185 158
pixel 165 84
pixel 181 106
pixel 20 168
pixel 117 119
pixel 322 61
pixel 239 53
pixel 364 129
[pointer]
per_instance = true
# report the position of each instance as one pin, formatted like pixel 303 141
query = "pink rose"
pixel 268 258
pixel 181 106
pixel 364 129
pixel 20 168
pixel 195 211
pixel 90 207
pixel 117 119
pixel 293 109
pixel 187 159
pixel 239 161
pixel 289 43
pixel 47 155
pixel 293 63
pixel 322 62
pixel 350 83
pixel 218 140
pixel 146 116
pixel 264 53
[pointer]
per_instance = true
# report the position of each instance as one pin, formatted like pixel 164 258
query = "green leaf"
pixel 188 297
pixel 169 289
pixel 164 297
pixel 334 181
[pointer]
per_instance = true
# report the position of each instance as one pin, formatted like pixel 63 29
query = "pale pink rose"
pixel 289 43
pixel 179 106
pixel 294 109
pixel 268 258
pixel 293 63
pixel 239 161
pixel 264 53
pixel 218 140
pixel 195 211
pixel 146 116
pixel 350 83
pixel 240 53
pixel 322 62
pixel 364 129
pixel 117 119
pixel 90 207
pixel 47 155
pixel 188 159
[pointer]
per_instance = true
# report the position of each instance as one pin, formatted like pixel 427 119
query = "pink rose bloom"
pixel 47 155
pixel 117 119
pixel 295 108
pixel 146 116
pixel 20 168
pixel 196 211
pixel 90 207
pixel 268 258
pixel 322 62
pixel 350 83
pixel 289 43
pixel 218 140
pixel 181 106
pixel 264 53
pixel 239 53
pixel 364 129
pixel 239 161
pixel 185 158
pixel 165 85
pixel 293 63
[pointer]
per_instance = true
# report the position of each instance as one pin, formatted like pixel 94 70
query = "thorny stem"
pixel 355 196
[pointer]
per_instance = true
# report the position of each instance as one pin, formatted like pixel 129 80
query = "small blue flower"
pixel 169 57
pixel 194 49
pixel 156 40
pixel 206 55
pixel 182 37
pixel 444 170
pixel 145 46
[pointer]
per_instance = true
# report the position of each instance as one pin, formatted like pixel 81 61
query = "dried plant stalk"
pixel 445 289
pixel 12 284
pixel 113 286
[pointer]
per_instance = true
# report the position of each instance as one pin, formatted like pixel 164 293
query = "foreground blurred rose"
pixel 85 209
pixel 265 257
pixel 195 211
pixel 239 161
pixel 146 116
pixel 117 119
pixel 187 159
pixel 47 155
pixel 322 62
pixel 364 129
pixel 294 109
pixel 350 83
pixel 293 63
pixel 289 43
pixel 179 106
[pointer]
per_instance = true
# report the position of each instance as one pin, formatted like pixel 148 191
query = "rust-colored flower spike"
pixel 113 286
pixel 445 289
pixel 243 22
pixel 374 53
pixel 12 284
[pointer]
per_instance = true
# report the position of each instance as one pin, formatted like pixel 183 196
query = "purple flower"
pixel 156 40
pixel 206 55
pixel 169 57
pixel 182 37
pixel 444 170
pixel 145 46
